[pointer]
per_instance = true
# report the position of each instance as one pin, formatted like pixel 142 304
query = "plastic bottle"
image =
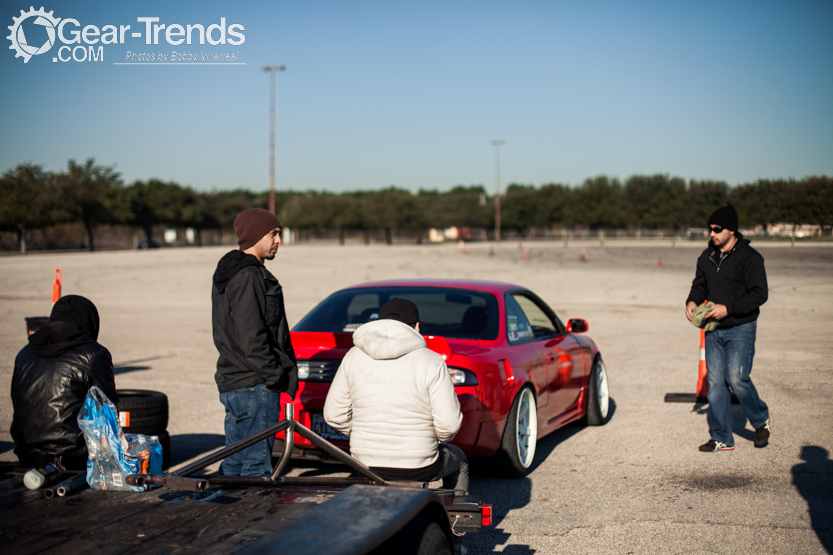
pixel 143 448
pixel 155 455
pixel 37 477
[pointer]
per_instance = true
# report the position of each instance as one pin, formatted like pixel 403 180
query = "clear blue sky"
pixel 411 93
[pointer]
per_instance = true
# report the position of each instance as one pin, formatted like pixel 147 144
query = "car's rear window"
pixel 446 312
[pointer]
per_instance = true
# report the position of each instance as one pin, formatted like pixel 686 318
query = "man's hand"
pixel 718 311
pixel 689 309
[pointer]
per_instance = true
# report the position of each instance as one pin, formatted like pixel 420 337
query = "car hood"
pixel 387 339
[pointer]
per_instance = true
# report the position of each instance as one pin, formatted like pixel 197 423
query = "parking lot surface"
pixel 637 485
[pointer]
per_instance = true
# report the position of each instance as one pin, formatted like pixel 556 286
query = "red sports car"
pixel 519 372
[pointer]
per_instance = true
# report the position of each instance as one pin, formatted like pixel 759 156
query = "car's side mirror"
pixel 577 325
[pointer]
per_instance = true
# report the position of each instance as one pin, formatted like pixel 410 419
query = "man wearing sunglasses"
pixel 731 274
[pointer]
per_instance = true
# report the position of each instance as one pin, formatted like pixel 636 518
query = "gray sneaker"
pixel 762 433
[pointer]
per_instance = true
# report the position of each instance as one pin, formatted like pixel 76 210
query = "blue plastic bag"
pixel 108 461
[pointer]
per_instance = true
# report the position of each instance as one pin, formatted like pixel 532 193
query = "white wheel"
pixel 526 427
pixel 598 404
pixel 517 450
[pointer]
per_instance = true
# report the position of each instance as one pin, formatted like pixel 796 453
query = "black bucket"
pixel 34 323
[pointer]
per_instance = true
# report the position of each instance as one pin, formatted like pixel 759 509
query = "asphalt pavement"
pixel 637 485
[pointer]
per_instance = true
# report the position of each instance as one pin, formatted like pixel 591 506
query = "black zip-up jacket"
pixel 250 328
pixel 738 281
pixel 47 395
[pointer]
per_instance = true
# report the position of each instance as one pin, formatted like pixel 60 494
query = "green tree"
pixel 701 199
pixel 556 203
pixel 656 201
pixel 462 206
pixel 24 191
pixel 521 208
pixel 762 202
pixel 153 203
pixel 390 210
pixel 90 195
pixel 600 202
pixel 816 200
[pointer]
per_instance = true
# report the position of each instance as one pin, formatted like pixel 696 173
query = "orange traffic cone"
pixel 526 253
pixel 56 287
pixel 702 380
pixel 659 262
pixel 582 257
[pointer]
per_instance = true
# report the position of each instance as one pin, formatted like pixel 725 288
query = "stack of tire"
pixel 146 413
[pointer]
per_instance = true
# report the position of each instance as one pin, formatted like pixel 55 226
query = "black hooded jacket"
pixel 738 281
pixel 52 375
pixel 250 328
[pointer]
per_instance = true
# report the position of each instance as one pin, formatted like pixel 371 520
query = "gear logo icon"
pixel 18 37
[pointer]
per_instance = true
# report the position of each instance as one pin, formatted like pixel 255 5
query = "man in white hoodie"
pixel 394 398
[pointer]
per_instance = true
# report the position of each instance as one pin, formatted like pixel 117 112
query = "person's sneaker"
pixel 762 433
pixel 713 446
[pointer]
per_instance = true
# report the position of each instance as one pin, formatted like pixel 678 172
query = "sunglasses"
pixel 716 229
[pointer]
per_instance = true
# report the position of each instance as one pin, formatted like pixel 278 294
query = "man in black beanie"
pixel 731 274
pixel 257 362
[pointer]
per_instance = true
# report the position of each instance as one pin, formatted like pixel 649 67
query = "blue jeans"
pixel 729 354
pixel 248 411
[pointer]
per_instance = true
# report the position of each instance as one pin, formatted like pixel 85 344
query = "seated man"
pixel 50 382
pixel 394 398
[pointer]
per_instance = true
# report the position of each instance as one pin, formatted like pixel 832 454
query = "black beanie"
pixel 77 310
pixel 251 225
pixel 726 217
pixel 401 310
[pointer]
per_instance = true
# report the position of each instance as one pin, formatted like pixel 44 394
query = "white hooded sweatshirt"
pixel 393 397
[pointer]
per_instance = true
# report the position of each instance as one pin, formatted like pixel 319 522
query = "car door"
pixel 526 352
pixel 560 352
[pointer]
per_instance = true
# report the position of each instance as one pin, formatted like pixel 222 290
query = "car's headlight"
pixel 461 376
pixel 303 370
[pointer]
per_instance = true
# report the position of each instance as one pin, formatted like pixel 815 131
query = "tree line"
pixel 94 195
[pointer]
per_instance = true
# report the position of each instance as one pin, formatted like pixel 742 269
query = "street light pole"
pixel 497 145
pixel 271 70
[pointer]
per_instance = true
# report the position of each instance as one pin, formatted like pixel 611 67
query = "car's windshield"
pixel 446 312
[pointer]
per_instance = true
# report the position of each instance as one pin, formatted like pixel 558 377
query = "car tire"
pixel 148 410
pixel 520 436
pixel 598 400
pixel 421 536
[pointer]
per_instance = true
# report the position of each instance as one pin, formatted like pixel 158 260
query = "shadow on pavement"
pixel 506 495
pixel 814 481
pixel 187 446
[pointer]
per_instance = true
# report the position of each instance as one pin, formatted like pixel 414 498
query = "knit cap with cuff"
pixel 252 225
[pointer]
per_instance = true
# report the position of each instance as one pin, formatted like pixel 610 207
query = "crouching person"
pixel 52 376
pixel 394 398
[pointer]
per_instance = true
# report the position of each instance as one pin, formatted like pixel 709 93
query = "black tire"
pixel 421 536
pixel 148 410
pixel 517 448
pixel 598 400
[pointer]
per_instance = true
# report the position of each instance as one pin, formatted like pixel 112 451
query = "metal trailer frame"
pixel 335 522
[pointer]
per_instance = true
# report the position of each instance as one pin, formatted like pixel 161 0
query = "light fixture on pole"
pixel 497 145
pixel 271 70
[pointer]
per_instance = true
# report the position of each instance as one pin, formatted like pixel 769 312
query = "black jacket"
pixel 47 395
pixel 250 328
pixel 738 281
